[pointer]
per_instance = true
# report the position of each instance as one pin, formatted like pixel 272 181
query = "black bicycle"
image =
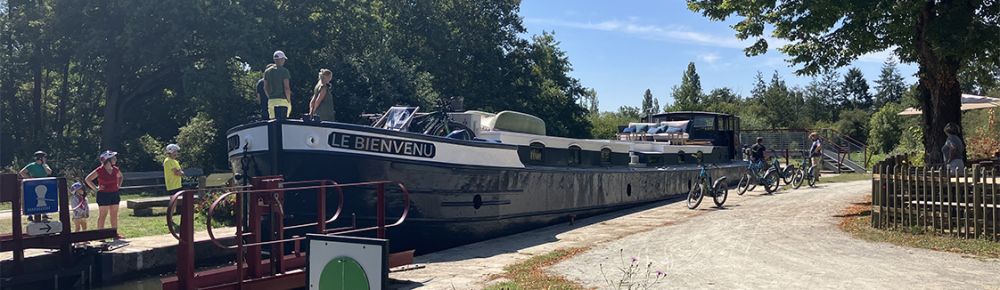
pixel 718 189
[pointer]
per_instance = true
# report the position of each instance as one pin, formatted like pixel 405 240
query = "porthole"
pixel 628 189
pixel 477 201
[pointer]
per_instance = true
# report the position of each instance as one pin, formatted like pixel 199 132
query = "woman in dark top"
pixel 322 102
pixel 109 180
pixel 953 150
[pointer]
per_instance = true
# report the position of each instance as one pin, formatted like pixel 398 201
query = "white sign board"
pixel 339 262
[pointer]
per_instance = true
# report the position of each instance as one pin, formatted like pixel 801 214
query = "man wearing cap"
pixel 276 85
pixel 38 169
pixel 172 172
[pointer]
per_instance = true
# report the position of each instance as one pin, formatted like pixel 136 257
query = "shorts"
pixel 108 198
pixel 271 103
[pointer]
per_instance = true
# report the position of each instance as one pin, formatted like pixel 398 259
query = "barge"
pixel 477 175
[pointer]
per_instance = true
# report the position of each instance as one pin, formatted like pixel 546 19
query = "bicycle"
pixel 718 189
pixel 785 173
pixel 769 179
pixel 804 174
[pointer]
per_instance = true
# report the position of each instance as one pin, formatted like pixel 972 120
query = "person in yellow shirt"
pixel 172 172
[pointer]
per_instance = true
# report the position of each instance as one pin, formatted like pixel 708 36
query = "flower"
pixel 660 273
pixel 634 260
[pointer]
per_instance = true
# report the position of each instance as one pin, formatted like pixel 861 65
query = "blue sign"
pixel 41 195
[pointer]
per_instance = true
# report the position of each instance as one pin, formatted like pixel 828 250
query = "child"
pixel 78 204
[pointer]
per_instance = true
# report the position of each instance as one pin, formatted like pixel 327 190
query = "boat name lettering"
pixel 382 145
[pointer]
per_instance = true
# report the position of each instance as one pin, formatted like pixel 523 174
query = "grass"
pixel 130 196
pixel 530 274
pixel 857 222
pixel 845 177
pixel 128 225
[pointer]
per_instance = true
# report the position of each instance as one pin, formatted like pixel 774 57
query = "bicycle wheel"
pixel 719 193
pixel 771 181
pixel 743 185
pixel 812 176
pixel 695 195
pixel 787 174
pixel 797 178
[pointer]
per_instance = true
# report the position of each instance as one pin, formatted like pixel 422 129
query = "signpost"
pixel 41 195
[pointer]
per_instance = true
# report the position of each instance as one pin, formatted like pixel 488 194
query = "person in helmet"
pixel 172 172
pixel 38 169
pixel 109 180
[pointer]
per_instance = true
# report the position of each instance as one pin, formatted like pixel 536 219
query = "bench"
pixel 144 206
pixel 152 181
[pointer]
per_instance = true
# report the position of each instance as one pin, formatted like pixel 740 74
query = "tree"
pixel 632 113
pixel 647 104
pixel 687 96
pixel 855 91
pixel 889 86
pixel 821 95
pixel 885 128
pixel 942 37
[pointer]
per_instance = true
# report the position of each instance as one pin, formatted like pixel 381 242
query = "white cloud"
pixel 709 57
pixel 671 33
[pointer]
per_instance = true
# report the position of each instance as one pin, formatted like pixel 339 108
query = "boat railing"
pixel 265 199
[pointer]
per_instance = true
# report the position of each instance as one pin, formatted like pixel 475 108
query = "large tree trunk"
pixel 940 93
pixel 61 104
pixel 36 98
pixel 110 135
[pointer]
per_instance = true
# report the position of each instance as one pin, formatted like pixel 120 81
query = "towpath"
pixel 788 240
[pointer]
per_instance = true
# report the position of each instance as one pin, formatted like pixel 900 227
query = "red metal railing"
pixel 266 199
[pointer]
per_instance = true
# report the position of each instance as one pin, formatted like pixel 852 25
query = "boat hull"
pixel 453 205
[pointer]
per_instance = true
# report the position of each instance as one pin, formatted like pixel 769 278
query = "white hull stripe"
pixel 322 139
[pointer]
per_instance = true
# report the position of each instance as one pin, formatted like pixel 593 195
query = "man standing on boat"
pixel 276 85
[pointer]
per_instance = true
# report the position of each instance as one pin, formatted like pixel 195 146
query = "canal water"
pixel 146 283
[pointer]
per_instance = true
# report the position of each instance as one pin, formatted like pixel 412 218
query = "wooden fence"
pixel 961 203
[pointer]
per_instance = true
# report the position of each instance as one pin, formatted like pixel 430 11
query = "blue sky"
pixel 621 48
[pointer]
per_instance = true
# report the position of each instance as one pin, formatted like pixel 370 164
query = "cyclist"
pixel 815 151
pixel 757 152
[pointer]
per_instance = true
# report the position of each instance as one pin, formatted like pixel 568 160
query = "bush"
pixel 196 140
pixel 884 129
pixel 225 212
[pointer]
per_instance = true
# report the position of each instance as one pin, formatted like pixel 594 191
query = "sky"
pixel 621 48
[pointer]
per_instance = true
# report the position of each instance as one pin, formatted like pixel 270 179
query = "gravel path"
pixel 786 241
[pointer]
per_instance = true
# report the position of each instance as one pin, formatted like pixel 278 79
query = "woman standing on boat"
pixel 322 103
pixel 109 180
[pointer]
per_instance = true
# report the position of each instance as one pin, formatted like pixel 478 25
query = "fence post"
pixel 996 203
pixel 922 199
pixel 876 187
pixel 904 198
pixel 976 201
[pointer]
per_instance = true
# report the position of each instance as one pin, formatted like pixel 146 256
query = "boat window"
pixel 703 123
pixel 605 156
pixel 536 151
pixel 574 155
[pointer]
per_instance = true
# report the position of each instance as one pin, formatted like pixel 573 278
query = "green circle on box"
pixel 343 273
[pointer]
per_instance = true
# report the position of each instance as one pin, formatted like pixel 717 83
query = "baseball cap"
pixel 279 54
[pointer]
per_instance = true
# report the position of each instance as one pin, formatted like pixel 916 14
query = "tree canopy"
pixel 943 37
pixel 123 75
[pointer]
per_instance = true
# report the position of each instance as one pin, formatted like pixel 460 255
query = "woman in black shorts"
pixel 109 180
